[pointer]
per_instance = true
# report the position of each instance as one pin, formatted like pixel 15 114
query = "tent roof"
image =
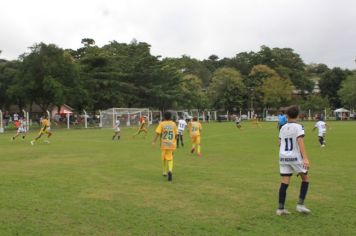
pixel 341 110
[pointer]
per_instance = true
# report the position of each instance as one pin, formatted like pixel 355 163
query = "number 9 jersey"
pixel 168 131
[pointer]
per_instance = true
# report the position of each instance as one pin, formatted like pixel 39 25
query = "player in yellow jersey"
pixel 167 130
pixel 194 130
pixel 254 122
pixel 143 127
pixel 45 129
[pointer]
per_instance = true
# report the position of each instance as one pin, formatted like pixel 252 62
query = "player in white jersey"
pixel 292 159
pixel 21 128
pixel 238 121
pixel 181 126
pixel 321 126
pixel 116 129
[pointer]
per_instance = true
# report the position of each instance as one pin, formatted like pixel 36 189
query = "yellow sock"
pixel 170 165
pixel 198 149
pixel 164 166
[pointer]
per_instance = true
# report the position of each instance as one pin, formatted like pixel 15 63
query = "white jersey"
pixel 181 125
pixel 289 152
pixel 117 126
pixel 16 117
pixel 237 120
pixel 22 127
pixel 321 125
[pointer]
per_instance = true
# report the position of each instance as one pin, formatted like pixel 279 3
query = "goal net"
pixel 127 116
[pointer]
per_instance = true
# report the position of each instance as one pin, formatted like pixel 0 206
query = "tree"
pixel 276 91
pixel 330 83
pixel 317 69
pixel 226 89
pixel 188 65
pixel 316 103
pixel 242 62
pixel 192 95
pixel 48 75
pixel 87 42
pixel 8 73
pixel 254 82
pixel 347 92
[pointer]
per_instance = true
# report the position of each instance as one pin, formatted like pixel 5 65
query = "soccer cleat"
pixel 322 145
pixel 46 141
pixel 32 143
pixel 281 212
pixel 302 209
pixel 12 138
pixel 169 176
pixel 200 155
pixel 192 151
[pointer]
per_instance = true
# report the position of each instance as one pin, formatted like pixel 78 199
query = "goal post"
pixel 127 116
pixel 1 124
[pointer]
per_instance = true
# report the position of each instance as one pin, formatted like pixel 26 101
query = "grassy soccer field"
pixel 82 183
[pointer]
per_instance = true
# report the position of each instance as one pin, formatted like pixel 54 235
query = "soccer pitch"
pixel 82 183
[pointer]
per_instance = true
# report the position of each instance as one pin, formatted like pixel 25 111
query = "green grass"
pixel 82 183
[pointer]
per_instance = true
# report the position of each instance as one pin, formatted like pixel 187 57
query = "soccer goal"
pixel 127 116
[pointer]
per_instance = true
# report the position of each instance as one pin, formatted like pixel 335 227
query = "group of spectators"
pixel 10 119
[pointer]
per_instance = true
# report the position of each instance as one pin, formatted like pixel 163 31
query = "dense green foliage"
pixel 82 183
pixel 128 75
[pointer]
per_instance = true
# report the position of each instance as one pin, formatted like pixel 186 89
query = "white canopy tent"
pixel 342 114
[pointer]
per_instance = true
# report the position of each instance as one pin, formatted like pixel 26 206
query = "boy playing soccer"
pixel 167 129
pixel 21 129
pixel 116 129
pixel 181 126
pixel 238 121
pixel 194 131
pixel 321 126
pixel 46 129
pixel 143 127
pixel 292 159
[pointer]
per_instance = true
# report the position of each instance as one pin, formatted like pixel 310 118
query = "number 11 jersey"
pixel 289 152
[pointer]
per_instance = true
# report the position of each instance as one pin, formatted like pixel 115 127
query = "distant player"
pixel 45 129
pixel 238 121
pixel 181 126
pixel 21 128
pixel 116 129
pixel 255 123
pixel 167 130
pixel 282 120
pixel 321 126
pixel 292 159
pixel 143 127
pixel 195 128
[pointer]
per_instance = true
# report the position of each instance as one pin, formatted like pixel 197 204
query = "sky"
pixel 320 31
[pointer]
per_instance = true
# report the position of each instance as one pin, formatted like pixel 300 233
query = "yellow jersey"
pixel 45 123
pixel 194 128
pixel 168 131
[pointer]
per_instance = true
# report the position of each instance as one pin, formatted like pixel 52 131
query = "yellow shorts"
pixel 196 139
pixel 45 131
pixel 167 154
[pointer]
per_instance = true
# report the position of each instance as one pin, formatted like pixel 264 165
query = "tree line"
pixel 128 75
